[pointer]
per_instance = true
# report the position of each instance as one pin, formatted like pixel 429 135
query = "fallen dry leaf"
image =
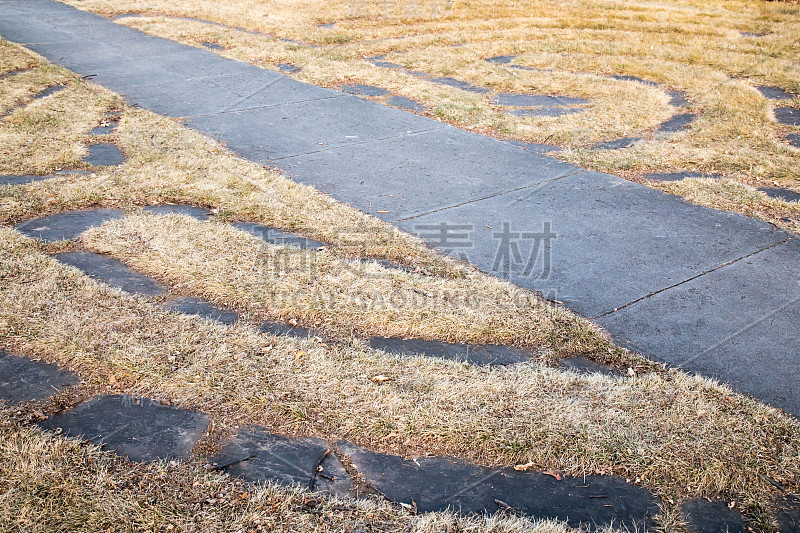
pixel 553 474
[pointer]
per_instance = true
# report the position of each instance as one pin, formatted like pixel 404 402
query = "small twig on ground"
pixel 223 466
pixel 316 469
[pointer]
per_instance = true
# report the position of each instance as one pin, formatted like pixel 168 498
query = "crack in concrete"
pixel 265 106
pixel 678 284
pixel 356 143
pixel 526 187
pixel 735 334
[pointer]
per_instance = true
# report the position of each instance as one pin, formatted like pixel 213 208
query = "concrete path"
pixel 713 292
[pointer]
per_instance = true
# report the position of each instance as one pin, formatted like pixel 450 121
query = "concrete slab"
pixel 788 115
pixel 66 226
pixel 139 429
pixel 413 174
pixel 22 379
pixel 535 100
pixel 279 237
pixel 677 99
pixel 439 483
pixel 503 60
pixel 611 241
pixel 258 456
pixel 733 324
pixel 704 516
pixel 111 272
pixel 545 111
pixel 774 93
pixel 475 354
pixel 105 129
pixel 582 365
pixel 677 123
pixel 405 103
pixel 195 306
pixel 291 69
pixel 787 195
pixel 459 84
pixel 104 154
pixel 788 514
pixel 22 180
pixel 616 144
pixel 211 95
pixel 48 92
pixel 281 329
pixel 200 213
pixel 634 78
pixel 393 66
pixel 364 90
pixel 677 176
pixel 277 132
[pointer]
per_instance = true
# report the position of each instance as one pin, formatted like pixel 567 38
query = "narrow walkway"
pixel 712 292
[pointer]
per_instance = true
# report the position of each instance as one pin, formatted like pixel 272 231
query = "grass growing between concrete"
pixel 570 49
pixel 679 435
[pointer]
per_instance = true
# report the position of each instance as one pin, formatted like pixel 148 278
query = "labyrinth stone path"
pixel 706 290
pixel 405 103
pixel 440 483
pixel 200 213
pixel 278 237
pixel 104 154
pixel 677 176
pixel 21 179
pixel 787 195
pixel 190 305
pixel 774 93
pixel 66 226
pixel 481 355
pixel 139 429
pixel 111 272
pixel 703 516
pixel 257 455
pixel 22 379
pixel 788 115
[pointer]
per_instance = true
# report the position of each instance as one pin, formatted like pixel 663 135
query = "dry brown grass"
pixel 694 46
pixel 677 434
pixel 336 296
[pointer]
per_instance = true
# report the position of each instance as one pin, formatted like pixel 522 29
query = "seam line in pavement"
pixel 228 110
pixel 357 143
pixel 473 200
pixel 723 265
pixel 735 334
pixel 252 94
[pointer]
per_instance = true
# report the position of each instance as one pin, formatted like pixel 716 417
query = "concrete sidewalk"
pixel 710 291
